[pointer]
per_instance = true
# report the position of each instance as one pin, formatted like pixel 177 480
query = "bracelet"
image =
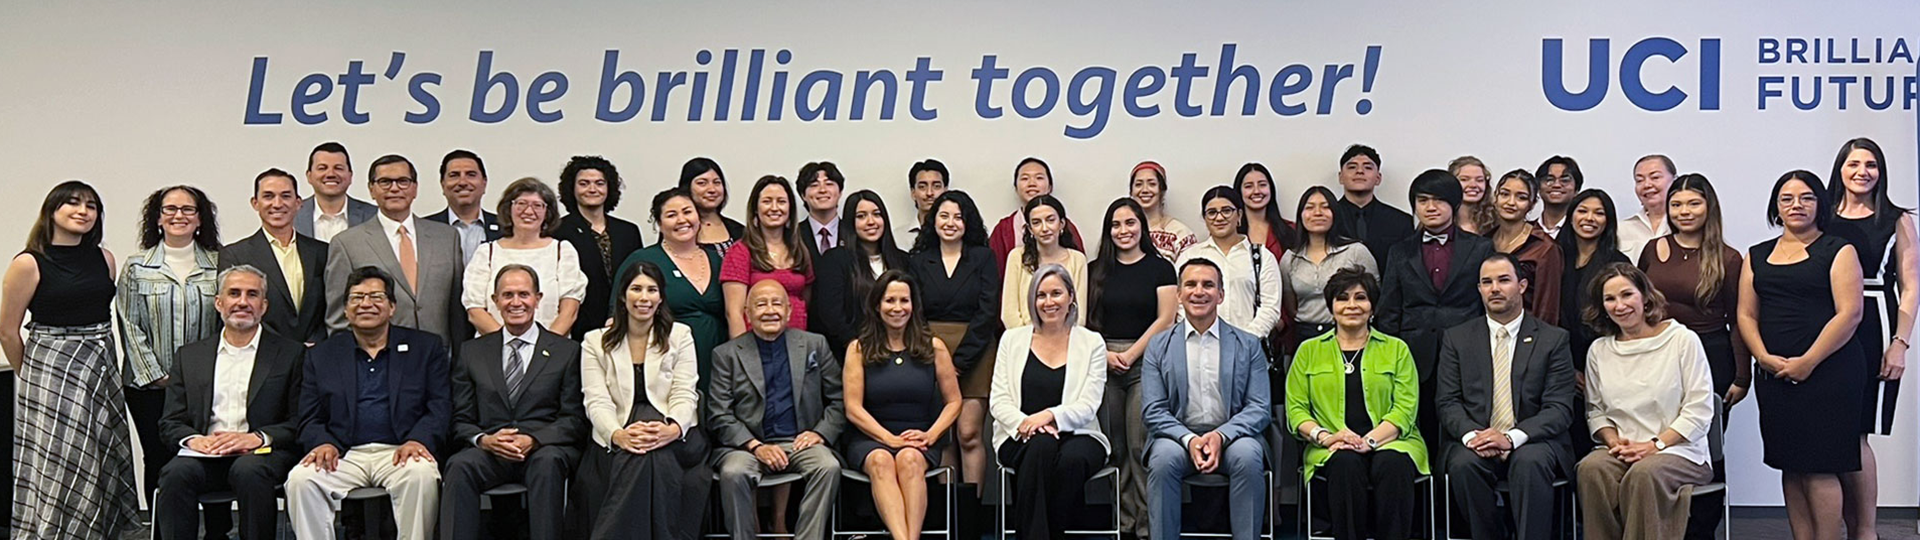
pixel 1902 341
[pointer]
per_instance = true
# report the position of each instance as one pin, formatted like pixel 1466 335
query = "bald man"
pixel 774 406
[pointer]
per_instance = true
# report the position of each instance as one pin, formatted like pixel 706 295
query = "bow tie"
pixel 1426 237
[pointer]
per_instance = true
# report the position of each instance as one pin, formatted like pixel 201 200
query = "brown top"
pixel 1675 278
pixel 1543 291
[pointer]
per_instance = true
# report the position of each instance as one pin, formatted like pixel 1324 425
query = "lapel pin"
pixel 401 348
pixel 544 352
pixel 1528 339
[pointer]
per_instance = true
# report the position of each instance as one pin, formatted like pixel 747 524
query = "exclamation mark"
pixel 1370 69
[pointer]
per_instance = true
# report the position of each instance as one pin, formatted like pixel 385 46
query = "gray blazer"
pixel 1545 399
pixel 435 308
pixel 1244 386
pixel 358 211
pixel 737 406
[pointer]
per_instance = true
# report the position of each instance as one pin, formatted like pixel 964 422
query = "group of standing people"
pixel 1527 329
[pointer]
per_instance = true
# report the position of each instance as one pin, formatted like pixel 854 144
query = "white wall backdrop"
pixel 134 96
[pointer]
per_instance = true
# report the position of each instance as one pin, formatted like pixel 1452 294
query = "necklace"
pixel 1351 359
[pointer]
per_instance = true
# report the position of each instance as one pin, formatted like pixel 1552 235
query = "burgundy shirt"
pixel 1438 256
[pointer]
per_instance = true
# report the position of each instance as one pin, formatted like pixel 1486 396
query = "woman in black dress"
pixel 902 393
pixel 590 188
pixel 1800 303
pixel 1882 233
pixel 702 177
pixel 1590 240
pixel 71 451
pixel 845 273
pixel 960 298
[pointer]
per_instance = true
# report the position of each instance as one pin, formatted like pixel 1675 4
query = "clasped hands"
pixel 222 443
pixel 509 444
pixel 1490 443
pixel 776 458
pixel 1630 451
pixel 645 436
pixel 1205 451
pixel 1345 439
pixel 1038 423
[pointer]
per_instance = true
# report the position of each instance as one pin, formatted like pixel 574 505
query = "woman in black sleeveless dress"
pixel 1883 235
pixel 71 448
pixel 1799 305
pixel 903 394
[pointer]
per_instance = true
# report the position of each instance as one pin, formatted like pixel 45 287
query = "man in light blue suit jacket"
pixel 1206 403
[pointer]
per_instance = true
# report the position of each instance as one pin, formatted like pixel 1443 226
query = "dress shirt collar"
pixel 531 336
pixel 1513 328
pixel 392 228
pixel 1213 330
pixel 253 344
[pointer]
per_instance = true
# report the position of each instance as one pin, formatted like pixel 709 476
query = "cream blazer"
pixel 606 380
pixel 1086 383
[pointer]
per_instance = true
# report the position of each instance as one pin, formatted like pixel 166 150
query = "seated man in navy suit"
pixel 373 406
pixel 517 414
pixel 1205 402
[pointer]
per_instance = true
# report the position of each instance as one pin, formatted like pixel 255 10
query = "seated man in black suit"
pixel 373 406
pixel 293 262
pixel 1506 402
pixel 517 415
pixel 232 397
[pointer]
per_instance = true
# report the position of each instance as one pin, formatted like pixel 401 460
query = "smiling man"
pixel 423 257
pixel 463 182
pixel 518 414
pixel 293 263
pixel 820 184
pixel 330 211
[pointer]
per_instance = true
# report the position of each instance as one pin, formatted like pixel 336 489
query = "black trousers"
pixel 472 471
pixel 1529 471
pixel 1050 481
pixel 1389 507
pixel 660 495
pixel 147 406
pixel 251 478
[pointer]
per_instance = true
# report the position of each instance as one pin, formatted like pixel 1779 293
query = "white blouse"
pixel 557 264
pixel 1644 386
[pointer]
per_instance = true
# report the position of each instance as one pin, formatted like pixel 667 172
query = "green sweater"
pixel 1317 391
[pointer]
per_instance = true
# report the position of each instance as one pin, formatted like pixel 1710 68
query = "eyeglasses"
pixel 529 205
pixel 386 183
pixel 180 210
pixel 1221 212
pixel 1789 201
pixel 368 298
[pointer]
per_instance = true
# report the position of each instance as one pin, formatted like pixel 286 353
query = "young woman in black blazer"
pixel 959 291
pixel 844 274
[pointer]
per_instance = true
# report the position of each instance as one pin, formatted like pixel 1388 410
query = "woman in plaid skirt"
pixel 70 445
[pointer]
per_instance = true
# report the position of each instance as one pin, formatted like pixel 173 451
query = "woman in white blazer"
pixel 649 455
pixel 1045 403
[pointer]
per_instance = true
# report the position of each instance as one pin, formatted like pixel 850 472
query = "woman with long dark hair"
pixel 1590 242
pixel 772 249
pixel 1514 196
pixel 1322 252
pixel 845 273
pixel 692 288
pixel 165 301
pixel 960 299
pixel 72 462
pixel 1882 233
pixel 641 393
pixel 1031 179
pixel 1801 301
pixel 1134 280
pixel 1147 185
pixel 903 394
pixel 1045 241
pixel 701 177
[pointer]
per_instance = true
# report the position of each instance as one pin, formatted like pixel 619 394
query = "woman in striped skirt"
pixel 70 445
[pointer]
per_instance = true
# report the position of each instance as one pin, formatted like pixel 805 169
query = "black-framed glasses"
pixel 180 210
pixel 385 183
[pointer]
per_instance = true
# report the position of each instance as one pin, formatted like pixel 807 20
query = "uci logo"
pixel 1647 95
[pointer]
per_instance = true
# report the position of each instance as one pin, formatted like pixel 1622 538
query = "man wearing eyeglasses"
pixel 422 256
pixel 374 404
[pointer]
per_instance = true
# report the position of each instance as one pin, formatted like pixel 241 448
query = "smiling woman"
pixel 531 210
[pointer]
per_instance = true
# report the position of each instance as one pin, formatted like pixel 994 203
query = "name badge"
pixel 401 348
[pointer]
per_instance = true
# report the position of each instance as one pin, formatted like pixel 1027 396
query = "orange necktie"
pixel 408 264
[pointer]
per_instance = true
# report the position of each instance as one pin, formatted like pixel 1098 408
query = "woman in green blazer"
pixel 1353 394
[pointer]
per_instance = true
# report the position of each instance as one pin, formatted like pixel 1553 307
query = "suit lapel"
pixel 200 394
pixel 797 362
pixel 750 363
pixel 494 345
pixel 396 350
pixel 1227 365
pixel 1177 369
pixel 276 277
pixel 1419 263
pixel 383 247
pixel 1522 356
pixel 261 368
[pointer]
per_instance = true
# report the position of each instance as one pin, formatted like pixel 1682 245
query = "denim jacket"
pixel 158 311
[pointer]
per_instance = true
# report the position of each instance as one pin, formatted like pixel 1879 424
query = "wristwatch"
pixel 1372 444
pixel 1659 444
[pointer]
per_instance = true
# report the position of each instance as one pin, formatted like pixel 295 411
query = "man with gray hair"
pixel 234 397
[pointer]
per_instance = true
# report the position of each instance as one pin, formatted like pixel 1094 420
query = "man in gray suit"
pixel 423 257
pixel 774 407
pixel 1205 402
pixel 1506 403
pixel 330 211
